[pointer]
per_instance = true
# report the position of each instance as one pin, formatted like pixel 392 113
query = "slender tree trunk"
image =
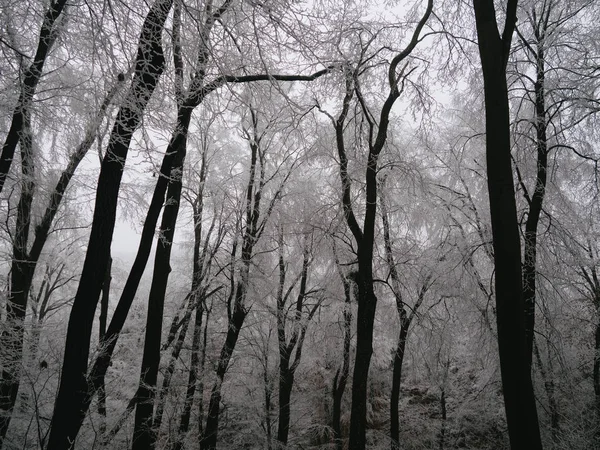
pixel 184 421
pixel 144 436
pixel 549 388
pixel 341 377
pixel 69 408
pixel 396 379
pixel 597 363
pixel 535 204
pixel 31 78
pixel 519 399
pixel 168 375
pixel 209 437
pixel 201 377
pixel 268 392
pixel 102 331
pixel 444 418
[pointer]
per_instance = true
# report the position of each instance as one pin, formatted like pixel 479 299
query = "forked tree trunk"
pixel 519 399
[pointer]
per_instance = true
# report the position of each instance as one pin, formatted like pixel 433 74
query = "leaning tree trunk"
pixel 31 78
pixel 25 261
pixel 519 399
pixel 184 421
pixel 73 389
pixel 144 436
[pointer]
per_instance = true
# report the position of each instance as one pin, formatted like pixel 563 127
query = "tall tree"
pixel 26 257
pixel 519 399
pixel 73 389
pixel 290 350
pixel 364 237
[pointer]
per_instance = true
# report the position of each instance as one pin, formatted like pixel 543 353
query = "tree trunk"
pixel 444 418
pixel 168 376
pixel 184 421
pixel 31 78
pixel 102 331
pixel 535 205
pixel 286 383
pixel 21 276
pixel 519 400
pixel 73 389
pixel 144 436
pixel 341 376
pixel 209 437
pixel 549 388
pixel 268 392
pixel 396 379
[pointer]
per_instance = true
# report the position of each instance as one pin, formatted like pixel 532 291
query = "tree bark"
pixel 519 399
pixel 73 389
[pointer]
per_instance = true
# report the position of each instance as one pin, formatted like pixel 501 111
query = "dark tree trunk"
pixel 209 437
pixel 597 364
pixel 184 422
pixel 444 418
pixel 25 264
pixel 144 436
pixel 550 392
pixel 519 399
pixel 365 237
pixel 168 375
pixel 396 379
pixel 73 389
pixel 535 205
pixel 293 346
pixel 268 395
pixel 102 331
pixel 341 377
pixel 20 282
pixel 286 383
pixel 31 78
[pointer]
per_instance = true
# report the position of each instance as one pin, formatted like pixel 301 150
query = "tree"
pixel 26 257
pixel 521 413
pixel 376 136
pixel 290 350
pixel 73 386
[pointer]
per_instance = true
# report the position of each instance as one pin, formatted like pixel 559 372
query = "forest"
pixel 294 224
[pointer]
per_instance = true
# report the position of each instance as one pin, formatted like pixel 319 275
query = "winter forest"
pixel 318 224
